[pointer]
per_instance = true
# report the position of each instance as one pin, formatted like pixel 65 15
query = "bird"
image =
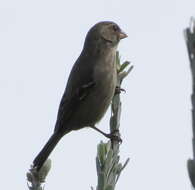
pixel 90 87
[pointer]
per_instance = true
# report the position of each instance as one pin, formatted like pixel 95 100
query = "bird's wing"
pixel 68 105
pixel 79 86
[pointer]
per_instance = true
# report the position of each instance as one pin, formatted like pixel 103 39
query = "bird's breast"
pixel 94 106
pixel 105 77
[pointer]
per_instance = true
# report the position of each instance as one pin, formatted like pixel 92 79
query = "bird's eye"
pixel 115 28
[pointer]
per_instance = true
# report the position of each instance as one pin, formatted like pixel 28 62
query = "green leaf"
pixel 109 187
pixel 101 153
pixel 101 180
pixel 108 146
pixel 119 168
pixel 118 65
pixel 123 66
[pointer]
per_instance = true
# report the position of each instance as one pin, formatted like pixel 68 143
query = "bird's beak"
pixel 122 35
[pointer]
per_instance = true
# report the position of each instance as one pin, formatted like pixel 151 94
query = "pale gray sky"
pixel 39 42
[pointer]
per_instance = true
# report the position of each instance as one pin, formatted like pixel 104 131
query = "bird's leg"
pixel 112 136
pixel 118 90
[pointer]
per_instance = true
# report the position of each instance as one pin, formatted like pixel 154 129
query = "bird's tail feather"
pixel 47 149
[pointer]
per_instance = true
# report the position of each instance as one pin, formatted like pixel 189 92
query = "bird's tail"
pixel 47 149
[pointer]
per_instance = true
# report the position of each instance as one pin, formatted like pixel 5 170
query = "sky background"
pixel 39 42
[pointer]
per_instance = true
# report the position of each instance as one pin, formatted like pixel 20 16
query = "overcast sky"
pixel 39 42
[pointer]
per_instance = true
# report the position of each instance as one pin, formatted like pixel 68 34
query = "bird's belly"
pixel 96 103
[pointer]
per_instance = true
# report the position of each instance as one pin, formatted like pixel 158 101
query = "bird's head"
pixel 104 34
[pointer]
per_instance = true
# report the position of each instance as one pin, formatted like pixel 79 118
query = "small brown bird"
pixel 90 87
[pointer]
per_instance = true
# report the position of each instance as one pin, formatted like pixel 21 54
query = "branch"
pixel 107 161
pixel 189 34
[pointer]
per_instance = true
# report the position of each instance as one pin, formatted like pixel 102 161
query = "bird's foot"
pixel 118 90
pixel 114 136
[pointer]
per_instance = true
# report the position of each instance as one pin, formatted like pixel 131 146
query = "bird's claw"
pixel 118 90
pixel 114 136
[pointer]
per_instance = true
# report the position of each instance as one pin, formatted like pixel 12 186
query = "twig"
pixel 189 34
